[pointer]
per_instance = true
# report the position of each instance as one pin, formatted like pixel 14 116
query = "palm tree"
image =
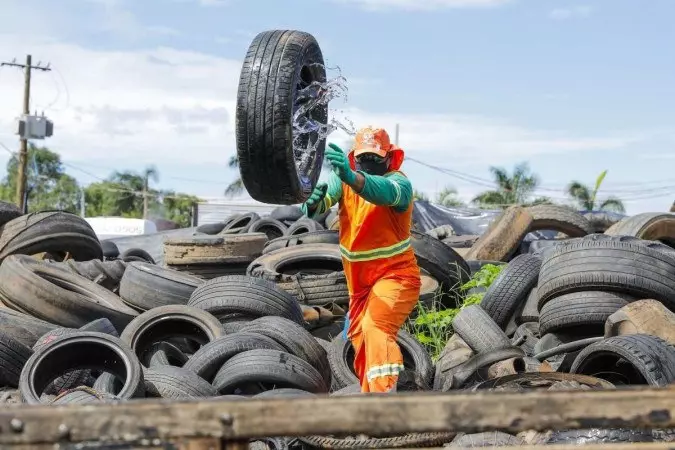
pixel 513 189
pixel 448 197
pixel 237 186
pixel 587 197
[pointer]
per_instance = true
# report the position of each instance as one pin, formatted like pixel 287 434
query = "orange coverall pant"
pixel 382 295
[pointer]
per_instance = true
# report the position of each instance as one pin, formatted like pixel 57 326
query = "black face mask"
pixel 372 164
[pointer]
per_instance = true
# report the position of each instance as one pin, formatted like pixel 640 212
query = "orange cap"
pixel 375 140
pixel 372 140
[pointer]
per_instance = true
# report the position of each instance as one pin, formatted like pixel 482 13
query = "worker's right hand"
pixel 317 196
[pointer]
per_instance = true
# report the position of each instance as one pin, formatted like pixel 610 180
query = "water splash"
pixel 308 131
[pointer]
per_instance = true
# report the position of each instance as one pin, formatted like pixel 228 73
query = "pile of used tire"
pixel 81 324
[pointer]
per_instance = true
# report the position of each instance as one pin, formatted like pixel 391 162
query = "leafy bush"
pixel 433 324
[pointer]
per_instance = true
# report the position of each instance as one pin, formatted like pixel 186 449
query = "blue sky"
pixel 572 87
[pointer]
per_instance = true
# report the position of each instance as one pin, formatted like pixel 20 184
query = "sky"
pixel 570 87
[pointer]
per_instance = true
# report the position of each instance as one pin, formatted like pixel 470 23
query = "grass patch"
pixel 433 324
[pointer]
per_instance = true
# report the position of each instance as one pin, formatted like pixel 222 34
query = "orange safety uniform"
pixel 381 270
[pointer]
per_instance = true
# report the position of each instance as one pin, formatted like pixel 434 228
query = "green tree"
pixel 120 195
pixel 47 184
pixel 587 197
pixel 178 207
pixel 448 197
pixel 237 186
pixel 512 189
pixel 419 195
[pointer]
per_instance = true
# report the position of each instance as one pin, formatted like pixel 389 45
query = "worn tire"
pixel 287 213
pixel 81 350
pixel 163 354
pixel 210 358
pixel 294 339
pixel 530 312
pixel 312 273
pixel 172 321
pixel 53 232
pixel 272 367
pixel 313 237
pixel 487 439
pixel 303 226
pixel 176 383
pixel 463 241
pixel 276 63
pixel 145 286
pixel 649 226
pixel 239 224
pixel 602 263
pixel 22 327
pixel 8 211
pixel 137 254
pixel 105 273
pixel 245 295
pixel 479 331
pixel 599 436
pixel 601 221
pixel 57 296
pixel 82 396
pixel 13 356
pixel 588 310
pixel 559 218
pixel 272 228
pixel 651 357
pixel 440 262
pixel 503 236
pixel 511 288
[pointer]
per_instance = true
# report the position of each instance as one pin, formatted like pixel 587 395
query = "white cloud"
pixel 423 5
pixel 582 11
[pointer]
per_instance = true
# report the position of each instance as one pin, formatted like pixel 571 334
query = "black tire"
pixel 176 383
pixel 412 440
pixel 303 226
pixel 511 288
pixel 600 263
pixel 245 295
pixel 13 356
pixel 559 218
pixel 82 396
pixel 284 393
pixel 272 228
pixel 416 361
pixel 276 64
pixel 241 223
pixel 313 237
pixel 57 296
pixel 328 332
pixel 81 350
pixel 650 360
pixel 441 262
pixel 8 211
pixel 110 250
pixel 210 358
pixel 22 327
pixel 479 331
pixel 173 321
pixel 287 213
pixel 101 326
pixel 530 312
pixel 163 354
pixel 463 241
pixel 348 391
pixel 137 253
pixel 487 439
pixel 270 368
pixel 211 228
pixel 145 286
pixel 651 226
pixel 588 310
pixel 294 339
pixel 53 232
pixel 104 273
pixel 312 273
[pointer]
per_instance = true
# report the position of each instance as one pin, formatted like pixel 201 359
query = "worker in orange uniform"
pixel 375 212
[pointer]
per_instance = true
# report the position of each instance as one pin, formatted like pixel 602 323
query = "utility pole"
pixel 21 199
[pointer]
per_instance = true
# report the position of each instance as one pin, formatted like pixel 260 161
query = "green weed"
pixel 432 325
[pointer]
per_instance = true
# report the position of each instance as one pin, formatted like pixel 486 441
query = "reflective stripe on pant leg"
pixel 390 302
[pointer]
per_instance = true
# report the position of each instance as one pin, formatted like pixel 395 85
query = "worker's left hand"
pixel 340 163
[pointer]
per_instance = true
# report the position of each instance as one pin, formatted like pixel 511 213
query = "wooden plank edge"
pixel 371 415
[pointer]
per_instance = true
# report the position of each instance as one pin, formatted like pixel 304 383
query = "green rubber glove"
pixel 317 196
pixel 340 163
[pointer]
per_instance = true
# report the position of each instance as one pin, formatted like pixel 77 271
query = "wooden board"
pixel 372 415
